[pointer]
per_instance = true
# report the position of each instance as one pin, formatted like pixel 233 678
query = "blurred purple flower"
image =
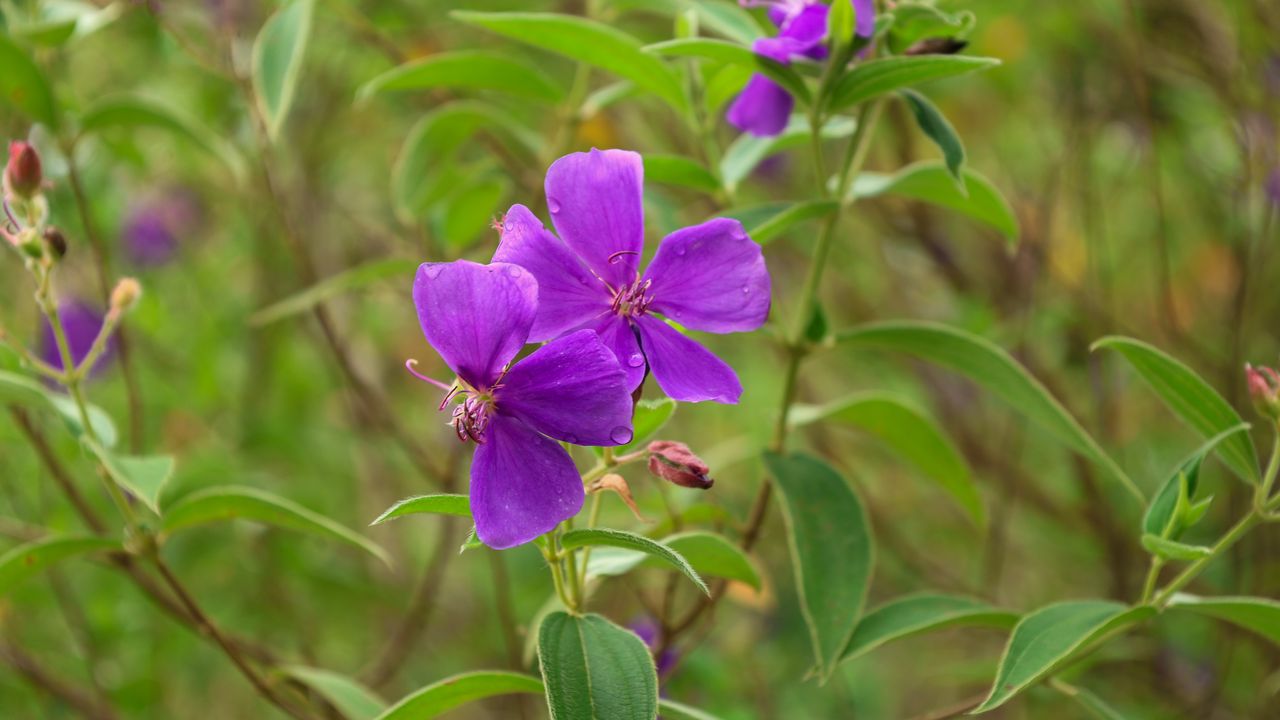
pixel 153 228
pixel 764 107
pixel 1273 187
pixel 708 277
pixel 523 483
pixel 81 322
pixel 648 630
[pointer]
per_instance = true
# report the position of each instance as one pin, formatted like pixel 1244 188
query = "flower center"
pixel 633 300
pixel 472 415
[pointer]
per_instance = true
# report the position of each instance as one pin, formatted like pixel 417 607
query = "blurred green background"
pixel 1135 140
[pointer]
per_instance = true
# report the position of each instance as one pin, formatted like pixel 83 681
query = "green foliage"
pixel 277 61
pixel 30 558
pixel 932 182
pixel 1259 615
pixel 601 537
pixel 469 70
pixel 922 613
pixel 595 670
pixel 457 505
pixel 874 78
pixel 440 697
pixel 348 696
pixel 23 85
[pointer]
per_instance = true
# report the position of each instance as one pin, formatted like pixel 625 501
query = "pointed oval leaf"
pixel 595 670
pixel 23 85
pixel 444 504
pixel 1160 513
pixel 930 181
pixel 877 77
pixel 466 69
pixel 735 54
pixel 713 555
pixel 1167 549
pixel 1260 615
pixel 935 125
pixel 350 697
pixel 277 61
pixel 451 692
pixel 23 390
pixel 347 281
pixel 782 220
pixel 589 42
pixel 727 19
pixel 602 537
pixel 144 476
pixel 832 550
pixel 230 502
pixel 1192 399
pixel 912 435
pixel 681 171
pixel 991 367
pixel 138 112
pixel 916 614
pixel 27 559
pixel 1047 638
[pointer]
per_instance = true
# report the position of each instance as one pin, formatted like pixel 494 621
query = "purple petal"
pixel 808 28
pixel 81 323
pixel 762 108
pixel 568 294
pixel 685 370
pixel 571 389
pixel 522 484
pixel 864 17
pixel 711 277
pixel 476 316
pixel 147 237
pixel 596 204
pixel 619 336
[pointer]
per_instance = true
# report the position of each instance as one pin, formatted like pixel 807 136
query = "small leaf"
pixel 458 505
pixel 22 390
pixel 349 697
pixel 1172 549
pixel 1260 615
pixel 934 124
pixel 27 559
pixel 1161 518
pixel 468 70
pixel 595 670
pixel 1046 639
pixel 990 366
pixel 734 54
pixel 832 550
pixel 912 435
pixel 586 41
pixel 601 537
pixel 681 171
pixel 1192 399
pixel 747 151
pixel 930 181
pixel 143 476
pixel 23 85
pixel 438 698
pixel 877 77
pixel 229 502
pixel 277 61
pixel 815 331
pixel 672 710
pixel 138 112
pixel 918 614
pixel 354 279
pixel 779 222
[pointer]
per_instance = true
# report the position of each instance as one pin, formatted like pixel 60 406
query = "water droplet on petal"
pixel 553 205
pixel 514 271
pixel 680 251
pixel 636 360
pixel 745 289
pixel 738 233
pixel 621 434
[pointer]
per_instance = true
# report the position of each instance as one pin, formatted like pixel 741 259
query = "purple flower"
pixel 764 107
pixel 81 322
pixel 152 229
pixel 708 277
pixel 523 483
pixel 648 631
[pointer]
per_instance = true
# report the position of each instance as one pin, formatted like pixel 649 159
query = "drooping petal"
pixel 711 277
pixel 476 316
pixel 762 108
pixel 568 294
pixel 618 335
pixel 685 370
pixel 522 484
pixel 596 204
pixel 572 389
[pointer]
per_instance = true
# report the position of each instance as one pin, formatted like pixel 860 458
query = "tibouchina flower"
pixel 764 107
pixel 523 483
pixel 81 322
pixel 708 277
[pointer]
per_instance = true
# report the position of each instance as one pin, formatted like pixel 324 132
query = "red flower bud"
pixel 674 462
pixel 22 174
pixel 1264 389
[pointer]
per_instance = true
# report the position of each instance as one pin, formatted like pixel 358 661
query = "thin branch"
pixel 28 667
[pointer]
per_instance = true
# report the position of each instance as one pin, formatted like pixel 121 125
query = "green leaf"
pixel 459 505
pixel 1160 517
pixel 601 537
pixel 877 77
pixel 1094 704
pixel 55 22
pixel 467 69
pixel 277 61
pixel 351 698
pixel 586 41
pixel 988 365
pixel 930 181
pixel 1172 549
pixel 734 54
pixel 27 559
pixel 711 554
pixel 22 390
pixel 354 279
pixel 595 670
pixel 23 85
pixel 229 502
pixel 934 124
pixel 1192 399
pixel 132 112
pixel 787 215
pixel 747 151
pixel 913 22
pixel 917 614
pixel 672 710
pixel 680 170
pixel 832 550
pixel 470 210
pixel 727 19
pixel 1045 640
pixel 440 697
pixel 143 476
pixel 648 418
pixel 911 434
pixel 1260 615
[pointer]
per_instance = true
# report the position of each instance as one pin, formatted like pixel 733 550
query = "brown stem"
pixel 28 667
pixel 953 710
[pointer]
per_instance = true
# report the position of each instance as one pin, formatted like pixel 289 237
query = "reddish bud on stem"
pixel 1264 389
pixel 674 462
pixel 22 175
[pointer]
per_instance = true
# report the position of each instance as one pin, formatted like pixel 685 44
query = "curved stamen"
pixel 411 363
pixel 615 257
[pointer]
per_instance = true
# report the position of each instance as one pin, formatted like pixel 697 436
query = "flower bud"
pixel 125 295
pixel 1264 389
pixel 56 242
pixel 674 462
pixel 22 174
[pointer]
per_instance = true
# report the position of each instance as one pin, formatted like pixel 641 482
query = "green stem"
pixel 1233 535
pixel 1153 575
pixel 1260 499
